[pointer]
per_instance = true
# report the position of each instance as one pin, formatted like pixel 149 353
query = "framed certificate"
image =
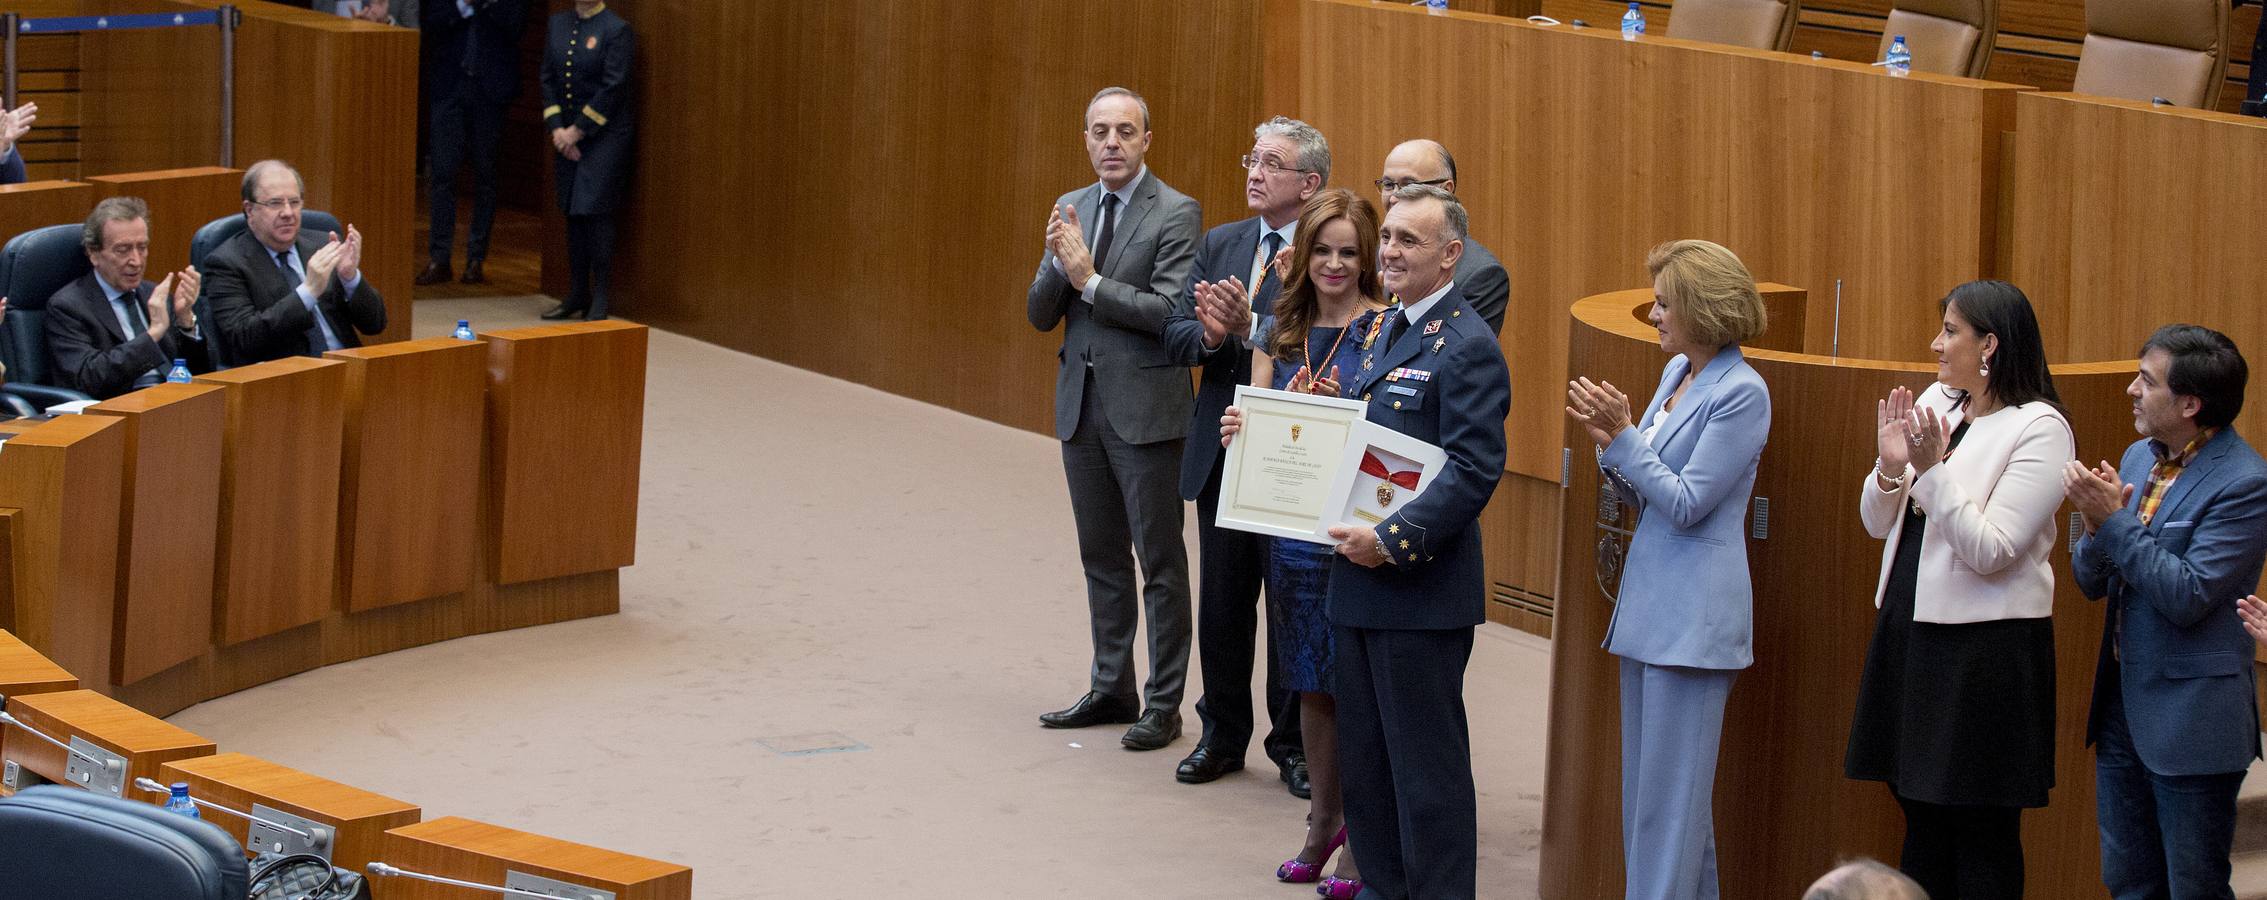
pixel 1277 477
pixel 1384 470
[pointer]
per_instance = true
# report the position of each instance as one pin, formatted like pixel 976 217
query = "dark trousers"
pixel 465 127
pixel 1231 564
pixel 590 262
pixel 2164 837
pixel 1129 495
pixel 1963 852
pixel 1405 761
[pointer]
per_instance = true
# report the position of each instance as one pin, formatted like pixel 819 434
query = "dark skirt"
pixel 1953 714
pixel 1298 619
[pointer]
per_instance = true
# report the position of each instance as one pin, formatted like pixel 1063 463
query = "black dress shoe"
pixel 472 273
pixel 1294 774
pixel 1157 728
pixel 562 311
pixel 436 272
pixel 1203 765
pixel 1095 708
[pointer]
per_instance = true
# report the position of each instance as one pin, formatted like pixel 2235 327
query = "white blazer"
pixel 1991 515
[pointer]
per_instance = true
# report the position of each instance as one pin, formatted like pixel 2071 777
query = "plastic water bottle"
pixel 464 331
pixel 1900 60
pixel 1436 7
pixel 1633 23
pixel 179 374
pixel 179 804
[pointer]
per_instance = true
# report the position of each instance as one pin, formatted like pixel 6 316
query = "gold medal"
pixel 1385 494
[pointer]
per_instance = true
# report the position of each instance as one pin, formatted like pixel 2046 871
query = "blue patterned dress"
pixel 1298 572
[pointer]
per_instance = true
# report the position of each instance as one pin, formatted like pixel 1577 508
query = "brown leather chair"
pixel 2142 49
pixel 1761 24
pixel 1948 37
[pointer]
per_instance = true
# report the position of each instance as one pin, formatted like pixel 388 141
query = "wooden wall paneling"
pixel 181 201
pixel 866 86
pixel 359 819
pixel 414 414
pixel 1519 535
pixel 279 496
pixel 38 204
pixel 2128 217
pixel 63 478
pixel 48 73
pixel 478 852
pixel 146 741
pixel 24 671
pixel 1814 576
pixel 166 535
pixel 151 97
pixel 566 420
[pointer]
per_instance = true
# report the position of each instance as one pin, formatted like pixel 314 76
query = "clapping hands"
pixel 1602 408
pixel 1223 308
pixel 16 123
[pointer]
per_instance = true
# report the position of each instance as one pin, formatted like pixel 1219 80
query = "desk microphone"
pixel 385 871
pixel 146 784
pixel 99 762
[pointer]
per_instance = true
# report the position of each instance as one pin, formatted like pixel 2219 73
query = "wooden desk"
pixel 166 532
pixel 475 851
pixel 278 495
pixel 62 477
pixel 566 421
pixel 181 201
pixel 2128 216
pixel 38 204
pixel 24 671
pixel 147 742
pixel 411 470
pixel 358 818
pixel 1784 812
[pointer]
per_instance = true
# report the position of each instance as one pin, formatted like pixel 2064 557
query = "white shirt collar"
pixel 1287 232
pixel 1413 312
pixel 1125 194
pixel 110 292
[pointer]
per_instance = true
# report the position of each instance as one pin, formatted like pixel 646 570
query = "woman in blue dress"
pixel 1325 315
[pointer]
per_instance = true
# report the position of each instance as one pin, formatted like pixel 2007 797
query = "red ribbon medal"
pixel 1374 467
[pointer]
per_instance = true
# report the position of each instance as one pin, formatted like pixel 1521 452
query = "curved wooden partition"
pixel 1784 813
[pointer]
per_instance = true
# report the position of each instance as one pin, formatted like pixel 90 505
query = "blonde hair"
pixel 1711 289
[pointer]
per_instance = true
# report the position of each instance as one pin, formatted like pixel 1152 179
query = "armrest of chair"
pixel 18 406
pixel 40 395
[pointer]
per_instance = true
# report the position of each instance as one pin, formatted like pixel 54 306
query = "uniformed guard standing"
pixel 586 97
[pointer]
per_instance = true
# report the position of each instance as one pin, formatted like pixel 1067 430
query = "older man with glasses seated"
pixel 277 292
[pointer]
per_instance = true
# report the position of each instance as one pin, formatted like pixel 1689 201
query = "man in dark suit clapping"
pixel 1118 253
pixel 110 332
pixel 277 292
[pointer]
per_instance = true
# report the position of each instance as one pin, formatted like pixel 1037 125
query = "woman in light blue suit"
pixel 1683 622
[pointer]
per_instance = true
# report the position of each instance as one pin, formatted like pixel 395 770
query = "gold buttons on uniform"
pixel 1365 398
pixel 1396 404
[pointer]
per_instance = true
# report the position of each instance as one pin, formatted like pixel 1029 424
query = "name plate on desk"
pixel 1278 474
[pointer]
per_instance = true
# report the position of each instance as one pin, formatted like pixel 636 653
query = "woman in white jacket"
pixel 1955 710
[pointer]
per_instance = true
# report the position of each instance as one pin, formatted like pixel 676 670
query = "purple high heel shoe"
pixel 1337 888
pixel 1299 871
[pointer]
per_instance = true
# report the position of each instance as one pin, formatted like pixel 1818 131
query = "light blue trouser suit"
pixel 1672 721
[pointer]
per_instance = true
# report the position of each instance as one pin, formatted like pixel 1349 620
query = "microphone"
pixel 383 870
pixel 111 766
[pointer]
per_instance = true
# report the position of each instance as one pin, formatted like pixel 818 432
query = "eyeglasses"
pixel 1388 184
pixel 279 204
pixel 1250 162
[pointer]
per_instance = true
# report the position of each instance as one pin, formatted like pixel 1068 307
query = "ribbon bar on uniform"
pixel 66 24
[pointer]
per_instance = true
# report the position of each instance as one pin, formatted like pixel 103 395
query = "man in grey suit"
pixel 1479 277
pixel 1121 411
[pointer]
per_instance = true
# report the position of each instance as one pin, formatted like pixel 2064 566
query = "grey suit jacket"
pixel 1113 344
pixel 1483 282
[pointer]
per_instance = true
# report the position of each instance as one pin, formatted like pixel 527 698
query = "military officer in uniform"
pixel 586 97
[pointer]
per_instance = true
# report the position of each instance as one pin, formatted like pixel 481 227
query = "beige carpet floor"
pixel 821 565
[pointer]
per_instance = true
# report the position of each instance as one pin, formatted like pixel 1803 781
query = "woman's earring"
pixel 1984 369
